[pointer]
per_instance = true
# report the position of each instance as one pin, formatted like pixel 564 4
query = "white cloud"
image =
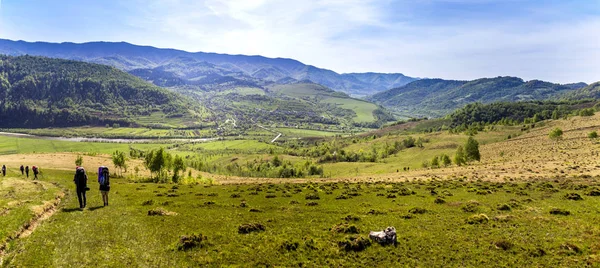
pixel 361 36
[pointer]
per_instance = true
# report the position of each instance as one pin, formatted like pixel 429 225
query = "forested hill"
pixel 437 97
pixel 41 92
pixel 589 92
pixel 171 67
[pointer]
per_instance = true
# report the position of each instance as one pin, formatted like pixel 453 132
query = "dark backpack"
pixel 79 176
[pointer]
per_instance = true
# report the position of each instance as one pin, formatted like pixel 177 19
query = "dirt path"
pixel 42 213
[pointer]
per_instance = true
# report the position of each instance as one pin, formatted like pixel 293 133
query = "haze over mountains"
pixel 198 74
pixel 170 67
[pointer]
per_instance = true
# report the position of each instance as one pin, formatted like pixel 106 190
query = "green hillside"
pixel 589 92
pixel 40 92
pixel 437 97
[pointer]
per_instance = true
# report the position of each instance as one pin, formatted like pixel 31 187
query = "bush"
pixel 192 241
pixel 471 206
pixel 250 227
pixel 312 204
pixel 556 134
pixel 593 135
pixel 148 202
pixel 504 207
pixel 478 219
pixel 503 244
pixel 354 243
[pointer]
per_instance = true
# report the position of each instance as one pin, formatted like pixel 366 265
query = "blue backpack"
pixel 103 176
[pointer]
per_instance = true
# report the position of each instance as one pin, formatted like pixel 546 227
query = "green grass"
pixel 123 234
pixel 18 201
pixel 13 145
pixel 364 110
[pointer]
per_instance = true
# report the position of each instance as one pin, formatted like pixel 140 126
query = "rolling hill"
pixel 42 92
pixel 168 67
pixel 437 97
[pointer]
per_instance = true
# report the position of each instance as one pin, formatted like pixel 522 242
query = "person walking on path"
pixel 27 171
pixel 3 170
pixel 104 181
pixel 22 170
pixel 35 170
pixel 80 180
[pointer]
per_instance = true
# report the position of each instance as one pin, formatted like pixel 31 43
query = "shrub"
pixel 250 227
pixel 556 134
pixel 190 241
pixel 472 150
pixel 593 135
pixel 594 192
pixel 235 196
pixel 478 219
pixel 312 204
pixel 351 218
pixel 471 206
pixel 270 196
pixel 559 211
pixel 354 243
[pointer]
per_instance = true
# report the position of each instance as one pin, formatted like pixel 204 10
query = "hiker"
pixel 3 170
pixel 22 170
pixel 35 170
pixel 80 180
pixel 104 181
pixel 27 171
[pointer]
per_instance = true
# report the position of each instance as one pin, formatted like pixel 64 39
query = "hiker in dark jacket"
pixel 36 170
pixel 22 170
pixel 3 170
pixel 104 181
pixel 80 180
pixel 27 171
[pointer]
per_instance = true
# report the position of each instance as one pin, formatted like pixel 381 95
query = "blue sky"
pixel 552 40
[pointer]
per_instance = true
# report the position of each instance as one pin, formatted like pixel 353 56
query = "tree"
pixel 435 162
pixel 446 160
pixel 472 150
pixel 178 165
pixel 459 157
pixel 556 134
pixel 593 135
pixel 119 160
pixel 79 160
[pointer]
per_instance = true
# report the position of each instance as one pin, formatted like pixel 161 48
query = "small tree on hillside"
pixel 119 160
pixel 435 162
pixel 178 165
pixel 79 160
pixel 556 134
pixel 446 160
pixel 472 150
pixel 459 156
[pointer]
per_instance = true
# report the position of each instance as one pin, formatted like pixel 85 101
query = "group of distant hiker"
pixel 80 180
pixel 24 170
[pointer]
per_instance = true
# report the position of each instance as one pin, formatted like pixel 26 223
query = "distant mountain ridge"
pixel 166 66
pixel 437 97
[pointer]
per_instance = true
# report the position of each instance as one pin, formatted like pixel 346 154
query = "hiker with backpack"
pixel 80 180
pixel 3 170
pixel 104 181
pixel 27 171
pixel 35 170
pixel 22 169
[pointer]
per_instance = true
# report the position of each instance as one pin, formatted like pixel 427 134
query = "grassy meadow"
pixel 530 201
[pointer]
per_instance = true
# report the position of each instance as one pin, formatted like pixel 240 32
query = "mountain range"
pixel 170 67
pixel 438 97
